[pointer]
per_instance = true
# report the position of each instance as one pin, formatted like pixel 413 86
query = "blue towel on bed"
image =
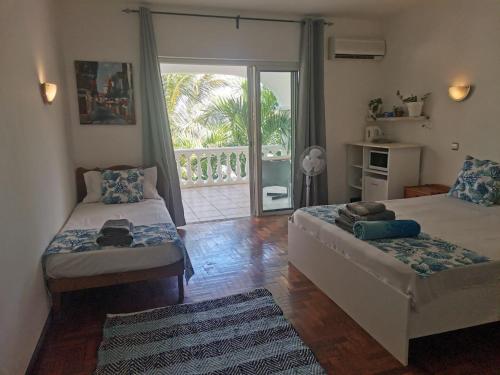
pixel 372 230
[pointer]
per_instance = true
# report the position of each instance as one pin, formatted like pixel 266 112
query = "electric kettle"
pixel 373 133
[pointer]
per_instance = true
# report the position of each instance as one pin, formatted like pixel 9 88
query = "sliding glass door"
pixel 233 129
pixel 274 92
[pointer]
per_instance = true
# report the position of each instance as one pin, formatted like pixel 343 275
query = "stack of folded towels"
pixel 362 211
pixel 116 233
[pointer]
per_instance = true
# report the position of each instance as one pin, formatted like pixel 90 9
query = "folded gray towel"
pixel 350 217
pixel 117 241
pixel 342 224
pixel 366 208
pixel 117 227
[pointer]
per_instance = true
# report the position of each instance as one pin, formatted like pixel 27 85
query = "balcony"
pixel 215 182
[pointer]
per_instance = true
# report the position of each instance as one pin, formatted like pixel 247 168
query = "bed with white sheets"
pixel 384 295
pixel 74 260
pixel 113 259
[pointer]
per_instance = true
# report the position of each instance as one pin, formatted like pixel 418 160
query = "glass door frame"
pixel 255 141
pixel 254 68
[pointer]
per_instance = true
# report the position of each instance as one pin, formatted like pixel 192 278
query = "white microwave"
pixel 378 160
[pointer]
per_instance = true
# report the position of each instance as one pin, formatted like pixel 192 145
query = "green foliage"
pixel 201 115
pixel 375 103
pixel 185 96
pixel 374 106
pixel 412 98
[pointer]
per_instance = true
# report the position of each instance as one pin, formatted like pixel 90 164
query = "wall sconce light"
pixel 459 93
pixel 49 91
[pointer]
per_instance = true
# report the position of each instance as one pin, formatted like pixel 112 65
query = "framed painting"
pixel 105 93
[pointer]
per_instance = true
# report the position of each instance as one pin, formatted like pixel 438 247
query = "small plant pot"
pixel 415 108
pixel 374 114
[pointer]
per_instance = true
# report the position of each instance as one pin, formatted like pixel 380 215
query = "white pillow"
pixel 93 182
pixel 150 178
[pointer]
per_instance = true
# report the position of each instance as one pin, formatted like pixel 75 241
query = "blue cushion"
pixel 478 182
pixel 125 186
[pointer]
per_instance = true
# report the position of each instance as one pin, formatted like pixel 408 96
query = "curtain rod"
pixel 237 18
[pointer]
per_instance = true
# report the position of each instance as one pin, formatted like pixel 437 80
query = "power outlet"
pixel 455 146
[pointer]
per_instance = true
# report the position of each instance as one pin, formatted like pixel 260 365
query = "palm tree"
pixel 199 117
pixel 202 114
pixel 231 113
pixel 186 95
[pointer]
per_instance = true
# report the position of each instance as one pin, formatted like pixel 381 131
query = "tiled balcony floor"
pixel 216 202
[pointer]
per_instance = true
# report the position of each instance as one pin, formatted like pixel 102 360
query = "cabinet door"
pixel 375 189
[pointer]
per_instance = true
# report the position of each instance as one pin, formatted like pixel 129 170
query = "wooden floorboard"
pixel 238 255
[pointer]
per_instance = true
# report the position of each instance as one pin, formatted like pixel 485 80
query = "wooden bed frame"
pixel 380 309
pixel 60 285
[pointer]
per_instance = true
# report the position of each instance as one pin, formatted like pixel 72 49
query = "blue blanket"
pixel 423 254
pixel 373 230
pixel 79 240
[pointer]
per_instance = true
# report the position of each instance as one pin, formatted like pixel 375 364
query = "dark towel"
pixel 366 208
pixel 350 217
pixel 342 224
pixel 373 230
pixel 117 227
pixel 117 241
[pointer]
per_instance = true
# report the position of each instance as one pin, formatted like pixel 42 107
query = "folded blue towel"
pixel 373 230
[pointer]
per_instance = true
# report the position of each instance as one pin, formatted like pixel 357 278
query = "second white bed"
pixel 384 295
pixel 462 223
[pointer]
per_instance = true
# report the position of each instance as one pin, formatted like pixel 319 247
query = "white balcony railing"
pixel 218 166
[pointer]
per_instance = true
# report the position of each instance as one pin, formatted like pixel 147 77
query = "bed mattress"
pixel 462 223
pixel 112 259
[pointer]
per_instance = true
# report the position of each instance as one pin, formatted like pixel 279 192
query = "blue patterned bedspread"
pixel 325 213
pixel 424 254
pixel 79 240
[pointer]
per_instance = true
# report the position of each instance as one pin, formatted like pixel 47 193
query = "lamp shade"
pixel 458 93
pixel 49 91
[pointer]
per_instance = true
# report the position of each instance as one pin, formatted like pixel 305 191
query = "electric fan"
pixel 312 163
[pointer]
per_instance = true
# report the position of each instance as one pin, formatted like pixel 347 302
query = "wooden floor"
pixel 238 255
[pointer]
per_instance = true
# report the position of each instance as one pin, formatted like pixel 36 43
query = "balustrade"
pixel 218 166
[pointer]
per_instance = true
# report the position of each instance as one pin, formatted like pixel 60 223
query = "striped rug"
pixel 240 334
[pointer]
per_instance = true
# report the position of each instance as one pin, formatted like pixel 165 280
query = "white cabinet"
pixel 374 184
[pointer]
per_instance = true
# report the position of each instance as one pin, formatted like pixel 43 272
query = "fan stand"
pixel 308 189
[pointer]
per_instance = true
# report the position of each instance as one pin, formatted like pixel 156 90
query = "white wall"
pixel 97 30
pixel 349 85
pixel 37 177
pixel 430 47
pixel 103 32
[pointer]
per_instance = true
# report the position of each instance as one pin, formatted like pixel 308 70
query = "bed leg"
pixel 56 302
pixel 180 282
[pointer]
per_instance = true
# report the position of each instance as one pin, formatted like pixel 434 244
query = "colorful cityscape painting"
pixel 105 93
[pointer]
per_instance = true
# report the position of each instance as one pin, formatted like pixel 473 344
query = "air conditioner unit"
pixel 358 49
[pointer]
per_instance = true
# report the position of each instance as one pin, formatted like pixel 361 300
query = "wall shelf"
pixel 357 166
pixel 398 119
pixel 356 187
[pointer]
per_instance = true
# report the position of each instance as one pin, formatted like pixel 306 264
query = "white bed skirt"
pixel 382 310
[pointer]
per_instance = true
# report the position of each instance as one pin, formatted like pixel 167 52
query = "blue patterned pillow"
pixel 126 186
pixel 478 182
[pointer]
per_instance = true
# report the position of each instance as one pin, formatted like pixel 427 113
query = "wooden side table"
pixel 423 190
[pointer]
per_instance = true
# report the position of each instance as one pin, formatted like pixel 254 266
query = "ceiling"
pixel 354 8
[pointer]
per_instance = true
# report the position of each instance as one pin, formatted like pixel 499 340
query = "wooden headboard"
pixel 81 190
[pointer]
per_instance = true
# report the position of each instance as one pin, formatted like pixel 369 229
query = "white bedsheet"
pixel 469 225
pixel 111 259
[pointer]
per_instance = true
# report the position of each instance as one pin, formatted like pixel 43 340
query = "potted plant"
pixel 375 108
pixel 413 103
